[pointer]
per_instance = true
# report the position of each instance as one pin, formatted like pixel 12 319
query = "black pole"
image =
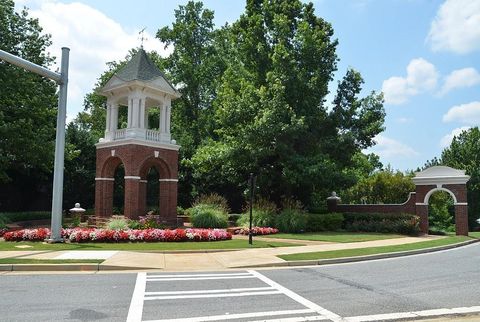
pixel 252 186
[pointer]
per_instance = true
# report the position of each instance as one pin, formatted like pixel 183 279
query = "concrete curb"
pixel 363 258
pixel 66 267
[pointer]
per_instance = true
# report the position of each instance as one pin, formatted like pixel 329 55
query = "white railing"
pixel 153 135
pixel 119 134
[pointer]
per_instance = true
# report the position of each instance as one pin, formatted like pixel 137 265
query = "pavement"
pixel 212 260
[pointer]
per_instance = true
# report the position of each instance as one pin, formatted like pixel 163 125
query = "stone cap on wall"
pixel 440 175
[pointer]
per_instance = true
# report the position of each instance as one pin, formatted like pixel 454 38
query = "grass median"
pixel 375 250
pixel 336 236
pixel 158 246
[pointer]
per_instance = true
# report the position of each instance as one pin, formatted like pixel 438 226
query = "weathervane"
pixel 142 38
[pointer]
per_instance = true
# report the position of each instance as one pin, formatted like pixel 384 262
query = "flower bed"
pixel 257 231
pixel 3 231
pixel 80 235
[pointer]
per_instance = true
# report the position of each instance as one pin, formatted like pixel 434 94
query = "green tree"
pixel 270 112
pixel 382 187
pixel 27 114
pixel 464 153
pixel 27 100
pixel 441 211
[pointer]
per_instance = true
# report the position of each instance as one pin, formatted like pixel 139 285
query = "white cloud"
pixel 389 148
pixel 466 77
pixel 421 77
pixel 447 139
pixel 465 113
pixel 404 120
pixel 93 38
pixel 456 27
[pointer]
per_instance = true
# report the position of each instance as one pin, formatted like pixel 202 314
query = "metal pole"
pixel 252 186
pixel 57 196
pixel 20 62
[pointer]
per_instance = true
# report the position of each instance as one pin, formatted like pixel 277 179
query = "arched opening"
pixel 441 212
pixel 119 190
pixel 153 190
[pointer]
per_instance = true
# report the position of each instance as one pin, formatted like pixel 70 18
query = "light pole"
pixel 62 80
pixel 252 192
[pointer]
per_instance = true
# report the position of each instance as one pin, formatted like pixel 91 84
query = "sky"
pixel 423 54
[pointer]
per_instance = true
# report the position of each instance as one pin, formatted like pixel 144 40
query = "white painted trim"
pixel 152 144
pixel 104 179
pixel 168 180
pixel 132 177
pixel 136 305
pixel 143 181
pixel 427 196
pixel 421 204
pixel 461 204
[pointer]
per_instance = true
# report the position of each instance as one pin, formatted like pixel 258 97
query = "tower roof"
pixel 140 68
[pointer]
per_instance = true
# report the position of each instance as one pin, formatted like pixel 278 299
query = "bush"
pixel 324 222
pixel 9 217
pixel 406 224
pixel 117 224
pixel 208 216
pixel 263 214
pixel 214 200
pixel 291 221
pixel 150 221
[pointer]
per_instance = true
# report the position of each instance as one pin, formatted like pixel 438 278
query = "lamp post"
pixel 252 192
pixel 62 80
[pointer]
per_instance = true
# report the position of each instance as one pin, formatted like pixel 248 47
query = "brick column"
pixel 461 220
pixel 99 210
pixel 168 201
pixel 104 196
pixel 422 211
pixel 132 192
pixel 332 202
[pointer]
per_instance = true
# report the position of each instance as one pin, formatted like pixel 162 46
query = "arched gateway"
pixel 138 86
pixel 426 182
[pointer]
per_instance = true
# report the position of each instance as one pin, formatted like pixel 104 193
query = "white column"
pixel 108 119
pixel 167 126
pixel 142 113
pixel 114 119
pixel 163 118
pixel 130 112
pixel 146 117
pixel 135 111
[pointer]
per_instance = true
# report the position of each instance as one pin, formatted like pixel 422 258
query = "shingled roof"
pixel 141 67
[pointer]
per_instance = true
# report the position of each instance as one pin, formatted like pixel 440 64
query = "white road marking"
pixel 236 316
pixel 414 314
pixel 197 275
pixel 199 296
pixel 199 278
pixel 296 319
pixel 136 305
pixel 246 289
pixel 300 299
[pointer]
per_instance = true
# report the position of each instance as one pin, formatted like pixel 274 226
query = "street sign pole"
pixel 62 80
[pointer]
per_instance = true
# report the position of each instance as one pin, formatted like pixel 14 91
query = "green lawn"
pixel 336 236
pixel 48 261
pixel 475 234
pixel 160 246
pixel 374 250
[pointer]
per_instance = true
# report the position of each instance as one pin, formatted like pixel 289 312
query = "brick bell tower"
pixel 138 86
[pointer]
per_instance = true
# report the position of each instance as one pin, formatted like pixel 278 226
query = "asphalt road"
pixel 358 292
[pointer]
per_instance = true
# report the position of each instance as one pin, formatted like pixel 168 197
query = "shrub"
pixel 9 217
pixel 214 200
pixel 406 224
pixel 263 214
pixel 257 231
pixel 291 221
pixel 208 216
pixel 324 222
pixel 134 224
pixel 150 221
pixel 117 224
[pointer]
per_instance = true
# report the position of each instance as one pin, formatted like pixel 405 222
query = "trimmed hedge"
pixel 405 224
pixel 324 222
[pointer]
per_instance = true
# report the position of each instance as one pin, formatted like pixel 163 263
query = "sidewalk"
pixel 198 261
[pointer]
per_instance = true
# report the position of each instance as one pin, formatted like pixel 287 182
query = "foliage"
pixel 9 217
pixel 150 221
pixel 263 214
pixel 257 231
pixel 441 211
pixel 406 224
pixel 80 235
pixel 382 187
pixel 270 111
pixel 213 200
pixel 324 222
pixel 208 216
pixel 464 153
pixel 292 218
pixel 117 224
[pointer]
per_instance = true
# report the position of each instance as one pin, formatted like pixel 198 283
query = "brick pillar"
pixel 422 212
pixel 99 211
pixel 142 198
pixel 461 220
pixel 168 201
pixel 108 198
pixel 132 191
pixel 332 202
